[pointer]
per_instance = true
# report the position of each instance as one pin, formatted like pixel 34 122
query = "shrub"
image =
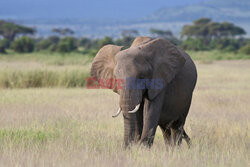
pixel 23 44
pixel 44 44
pixel 2 49
pixel 228 45
pixel 53 47
pixel 125 41
pixel 193 44
pixel 67 44
pixel 105 41
pixel 245 49
pixel 86 43
pixel 5 43
pixel 54 39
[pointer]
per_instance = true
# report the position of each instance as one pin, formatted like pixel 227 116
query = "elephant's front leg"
pixel 151 115
pixel 139 123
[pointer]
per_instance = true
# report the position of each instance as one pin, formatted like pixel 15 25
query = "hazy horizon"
pixel 85 9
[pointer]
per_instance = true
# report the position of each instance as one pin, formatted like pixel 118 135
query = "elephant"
pixel 147 108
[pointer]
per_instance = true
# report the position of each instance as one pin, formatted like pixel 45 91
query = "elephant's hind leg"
pixel 187 138
pixel 166 134
pixel 176 136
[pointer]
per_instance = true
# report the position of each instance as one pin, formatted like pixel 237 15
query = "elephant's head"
pixel 146 59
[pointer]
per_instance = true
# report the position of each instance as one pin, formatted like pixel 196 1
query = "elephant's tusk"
pixel 136 108
pixel 118 112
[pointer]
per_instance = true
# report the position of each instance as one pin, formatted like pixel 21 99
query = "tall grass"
pixel 43 69
pixel 217 55
pixel 42 78
pixel 48 58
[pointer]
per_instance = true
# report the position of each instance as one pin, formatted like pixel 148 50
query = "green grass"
pixel 44 69
pixel 42 78
pixel 216 55
pixel 25 136
pixel 48 58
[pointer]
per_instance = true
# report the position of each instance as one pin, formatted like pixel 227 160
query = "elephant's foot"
pixel 147 139
pixel 187 139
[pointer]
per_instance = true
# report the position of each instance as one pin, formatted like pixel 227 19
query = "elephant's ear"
pixel 167 61
pixel 140 40
pixel 104 62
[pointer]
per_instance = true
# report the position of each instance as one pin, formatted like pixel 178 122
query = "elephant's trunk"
pixel 129 100
pixel 129 128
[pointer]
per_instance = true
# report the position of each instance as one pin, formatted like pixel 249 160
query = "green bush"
pixel 54 39
pixel 2 49
pixel 67 44
pixel 86 43
pixel 43 44
pixel 193 44
pixel 23 45
pixel 245 49
pixel 230 45
pixel 53 47
pixel 5 43
pixel 105 41
pixel 125 41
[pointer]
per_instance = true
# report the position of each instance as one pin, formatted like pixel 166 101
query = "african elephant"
pixel 144 109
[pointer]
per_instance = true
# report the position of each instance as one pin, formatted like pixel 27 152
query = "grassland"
pixel 74 127
pixel 45 69
pixel 204 56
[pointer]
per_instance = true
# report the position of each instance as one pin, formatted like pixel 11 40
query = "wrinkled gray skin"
pixel 167 107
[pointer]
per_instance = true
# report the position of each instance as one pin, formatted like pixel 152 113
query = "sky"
pixel 87 9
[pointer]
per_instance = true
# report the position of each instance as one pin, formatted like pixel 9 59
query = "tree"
pixel 206 29
pixel 129 33
pixel 10 30
pixel 161 33
pixel 166 34
pixel 199 29
pixel 63 31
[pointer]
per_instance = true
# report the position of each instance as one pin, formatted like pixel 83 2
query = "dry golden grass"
pixel 74 127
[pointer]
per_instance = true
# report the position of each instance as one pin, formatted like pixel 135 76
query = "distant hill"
pixel 219 10
pixel 171 18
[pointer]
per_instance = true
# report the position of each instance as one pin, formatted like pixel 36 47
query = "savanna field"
pixel 48 118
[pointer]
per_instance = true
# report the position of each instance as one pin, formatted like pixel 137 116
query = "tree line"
pixel 202 34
